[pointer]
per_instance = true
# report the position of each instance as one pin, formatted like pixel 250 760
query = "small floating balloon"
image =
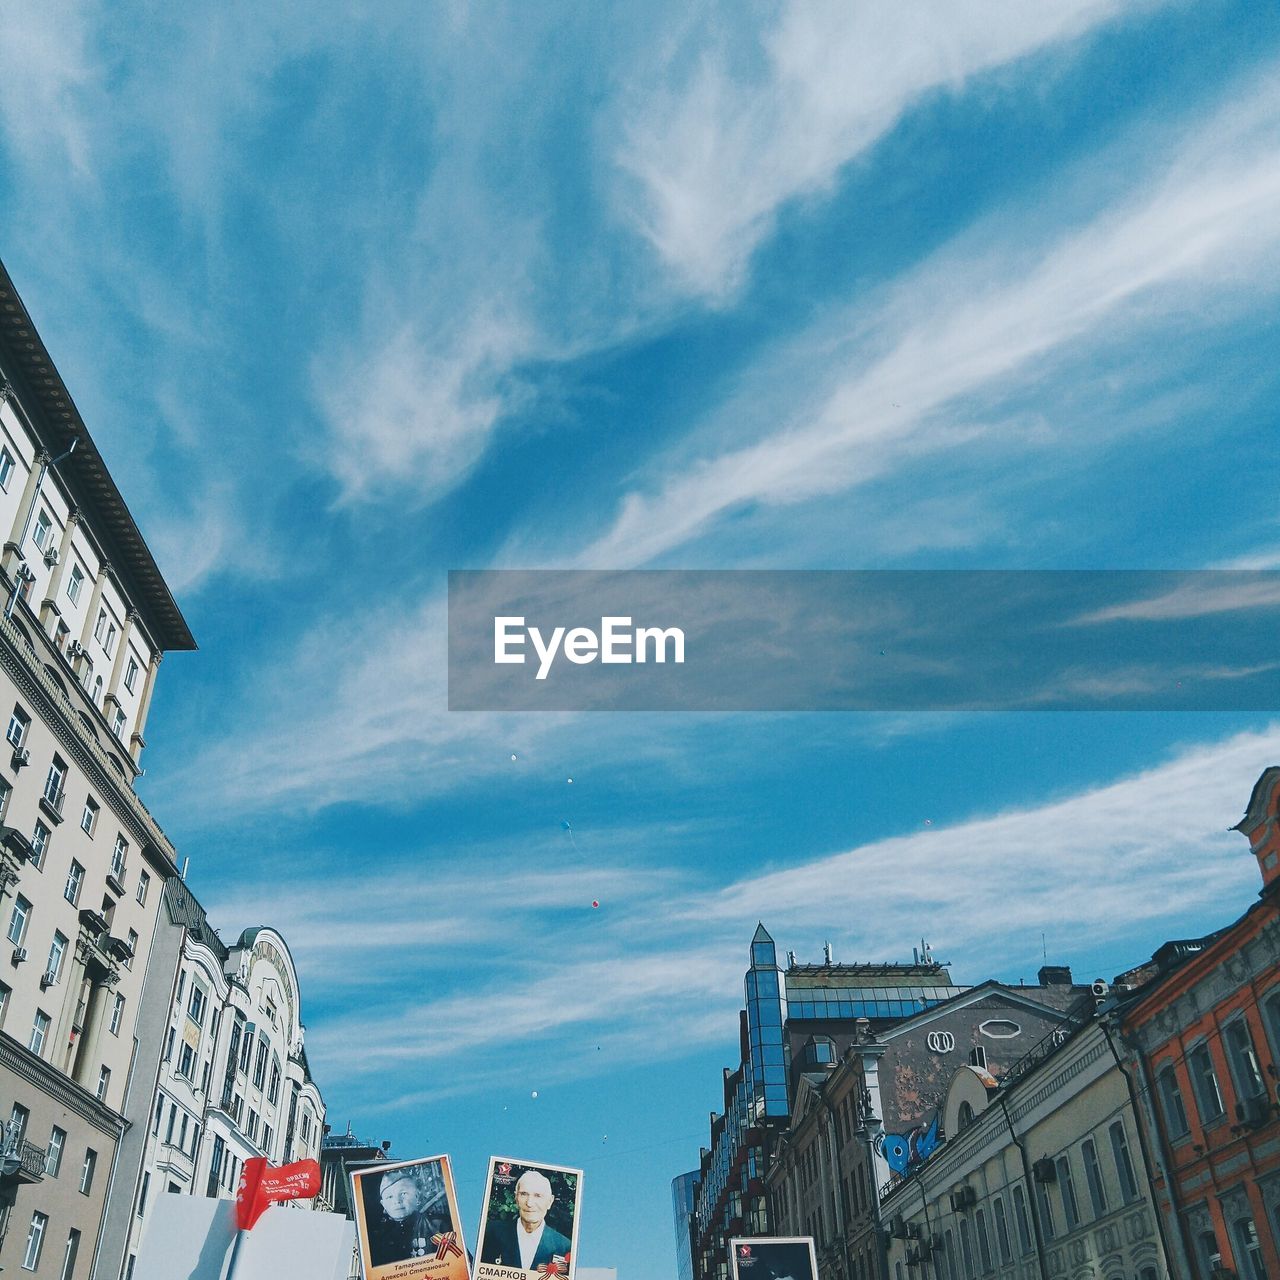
pixel 928 822
pixel 595 902
pixel 534 1094
pixel 513 755
pixel 568 779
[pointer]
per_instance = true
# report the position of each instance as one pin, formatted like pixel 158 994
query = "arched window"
pixel 965 1116
pixel 97 691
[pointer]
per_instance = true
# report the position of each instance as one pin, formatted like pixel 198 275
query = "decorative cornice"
pixel 22 1062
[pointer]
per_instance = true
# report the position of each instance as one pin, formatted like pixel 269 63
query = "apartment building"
pixel 86 620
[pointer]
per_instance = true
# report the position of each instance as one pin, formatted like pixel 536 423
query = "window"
pixel 155 1124
pixel 5 792
pixel 18 1118
pixel 173 1120
pixel 53 791
pixel 198 1004
pixel 1067 1190
pixel 1204 1084
pixel 260 1063
pixel 6 468
pixel 1002 1228
pixel 39 844
pixel 53 1153
pixel 1248 1250
pixel 966 1249
pixel 118 855
pixel 117 722
pixel 117 1015
pixel 978 1057
pixel 1124 1163
pixel 57 950
pixel 75 881
pixel 131 675
pixel 104 1083
pixel 1175 1113
pixel 1093 1176
pixel 5 992
pixel 266 1138
pixel 273 1091
pixel 35 1240
pixel 133 948
pixel 144 883
pixel 69 1255
pixel 19 723
pixel 1047 1224
pixel 251 1126
pixel 74 583
pixel 89 818
pixel 44 526
pixel 39 1032
pixel 100 627
pixel 142 1194
pixel 86 1171
pixel 19 920
pixel 1244 1060
pixel 187 1062
pixel 168 1047
pixel 984 1242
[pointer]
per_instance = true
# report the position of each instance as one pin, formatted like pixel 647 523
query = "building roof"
pixel 184 909
pixel 47 402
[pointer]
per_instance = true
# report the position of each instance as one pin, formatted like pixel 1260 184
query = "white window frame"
pixel 131 673
pixel 89 817
pixel 39 1032
pixel 74 885
pixel 7 467
pixel 75 583
pixel 57 954
pixel 19 921
pixel 19 724
pixel 35 1240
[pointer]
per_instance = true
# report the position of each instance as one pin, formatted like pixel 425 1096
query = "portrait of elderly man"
pixel 527 1241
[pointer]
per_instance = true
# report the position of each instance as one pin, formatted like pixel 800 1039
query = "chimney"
pixel 1055 975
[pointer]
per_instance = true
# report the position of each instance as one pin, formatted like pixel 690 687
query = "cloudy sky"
pixel 354 295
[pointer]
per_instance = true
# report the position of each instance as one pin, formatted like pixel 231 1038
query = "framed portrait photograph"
pixel 529 1224
pixel 774 1258
pixel 407 1221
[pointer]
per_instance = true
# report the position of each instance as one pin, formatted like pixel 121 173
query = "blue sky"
pixel 353 296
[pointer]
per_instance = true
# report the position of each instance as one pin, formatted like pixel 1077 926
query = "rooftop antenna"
pixel 826 953
pixel 1044 946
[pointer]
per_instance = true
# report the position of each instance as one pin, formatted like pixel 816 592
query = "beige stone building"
pixel 1041 1175
pixel 86 619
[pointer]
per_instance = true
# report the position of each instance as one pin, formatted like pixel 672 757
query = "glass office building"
pixel 795 1020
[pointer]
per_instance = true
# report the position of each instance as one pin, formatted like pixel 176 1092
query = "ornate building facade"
pixel 86 619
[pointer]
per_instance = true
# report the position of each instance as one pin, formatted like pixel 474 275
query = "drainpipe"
pixel 1161 1160
pixel 1032 1207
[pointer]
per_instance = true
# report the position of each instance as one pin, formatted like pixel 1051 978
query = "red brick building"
pixel 1203 1029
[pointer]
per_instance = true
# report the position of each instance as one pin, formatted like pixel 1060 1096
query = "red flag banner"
pixel 261 1186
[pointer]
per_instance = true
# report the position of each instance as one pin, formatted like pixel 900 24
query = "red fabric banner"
pixel 260 1186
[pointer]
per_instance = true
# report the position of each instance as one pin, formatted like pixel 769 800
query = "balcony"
pixel 51 801
pixel 22 1164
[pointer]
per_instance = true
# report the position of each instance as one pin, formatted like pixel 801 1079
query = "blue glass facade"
pixel 766 998
pixel 683 1190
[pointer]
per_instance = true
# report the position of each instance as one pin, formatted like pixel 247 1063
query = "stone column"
pixel 71 999
pixel 11 552
pixel 90 1038
pixel 120 656
pixel 137 742
pixel 95 601
pixel 49 608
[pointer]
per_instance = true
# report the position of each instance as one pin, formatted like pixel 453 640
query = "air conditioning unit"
pixel 963 1198
pixel 898 1227
pixel 913 1231
pixel 19 954
pixel 1254 1112
pixel 51 556
pixel 47 979
pixel 21 757
pixel 1101 988
pixel 913 1257
pixel 75 649
pixel 1044 1170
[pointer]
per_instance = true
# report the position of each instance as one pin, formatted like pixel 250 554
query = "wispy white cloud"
pixel 743 121
pixel 961 328
pixel 1199 597
pixel 1149 852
